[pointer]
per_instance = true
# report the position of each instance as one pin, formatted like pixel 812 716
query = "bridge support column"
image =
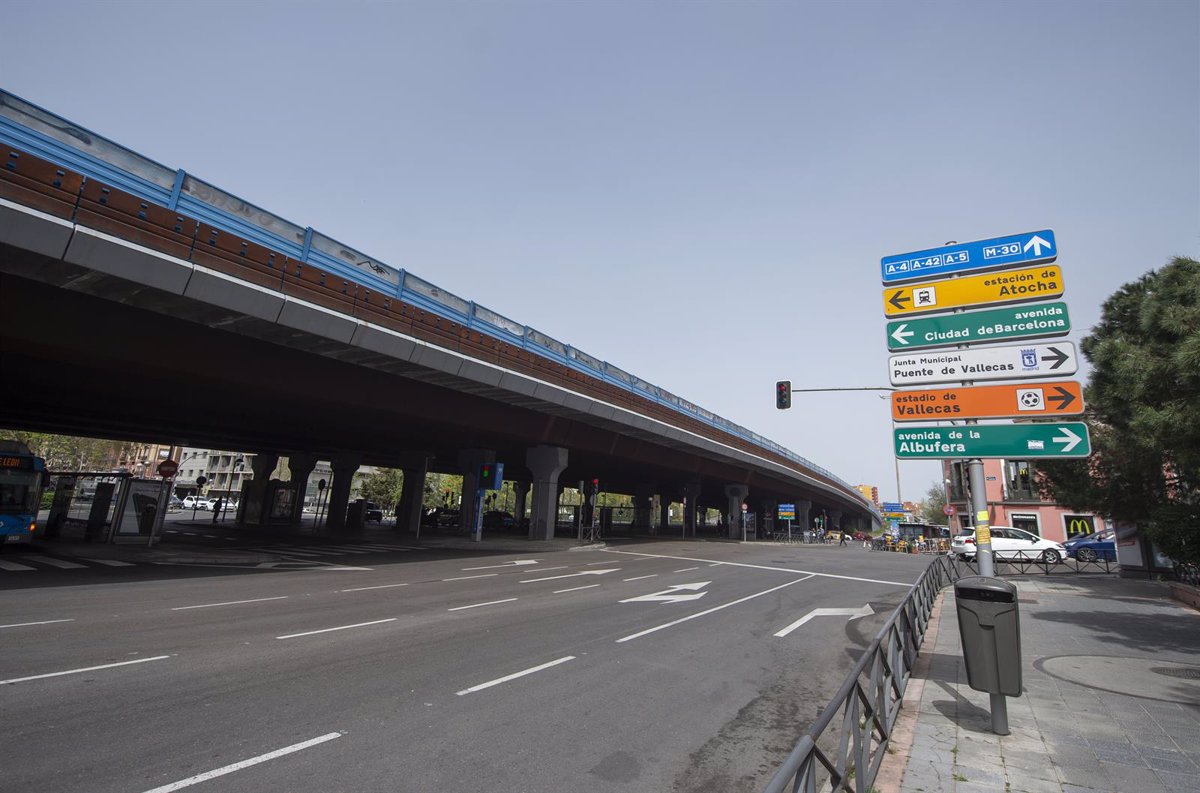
pixel 835 519
pixel 344 468
pixel 301 466
pixel 545 463
pixel 803 514
pixel 251 508
pixel 664 514
pixel 691 502
pixel 469 461
pixel 412 494
pixel 766 518
pixel 735 494
pixel 520 500
pixel 642 507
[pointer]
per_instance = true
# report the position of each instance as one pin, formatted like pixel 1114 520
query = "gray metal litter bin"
pixel 990 626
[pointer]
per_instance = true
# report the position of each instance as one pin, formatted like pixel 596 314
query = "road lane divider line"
pixel 905 584
pixel 228 603
pixel 14 567
pixel 640 577
pixel 686 569
pixel 477 605
pixel 573 589
pixel 513 676
pixel 64 564
pixel 365 588
pixel 468 577
pixel 78 671
pixel 43 622
pixel 338 628
pixel 648 631
pixel 110 562
pixel 262 758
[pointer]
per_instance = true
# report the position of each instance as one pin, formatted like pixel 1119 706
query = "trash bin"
pixel 990 627
pixel 355 514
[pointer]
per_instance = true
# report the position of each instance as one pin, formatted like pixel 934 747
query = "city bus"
pixel 22 477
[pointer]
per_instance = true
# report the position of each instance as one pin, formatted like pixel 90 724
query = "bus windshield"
pixel 18 490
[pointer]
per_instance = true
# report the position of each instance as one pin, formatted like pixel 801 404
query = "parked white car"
pixel 1010 543
pixel 196 502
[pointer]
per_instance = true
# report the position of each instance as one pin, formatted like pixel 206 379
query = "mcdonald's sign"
pixel 1079 525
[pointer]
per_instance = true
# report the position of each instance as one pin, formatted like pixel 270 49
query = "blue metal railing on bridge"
pixel 53 138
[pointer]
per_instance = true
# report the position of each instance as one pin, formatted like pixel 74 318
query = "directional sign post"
pixel 1017 400
pixel 989 289
pixel 972 327
pixel 1026 361
pixel 1016 249
pixel 993 440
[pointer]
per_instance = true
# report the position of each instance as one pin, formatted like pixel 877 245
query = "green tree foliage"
pixel 67 452
pixel 436 488
pixel 1143 403
pixel 383 486
pixel 931 507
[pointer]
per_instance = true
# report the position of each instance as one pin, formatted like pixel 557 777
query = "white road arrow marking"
pixel 1036 243
pixel 672 595
pixel 901 335
pixel 568 575
pixel 853 614
pixel 517 563
pixel 1070 439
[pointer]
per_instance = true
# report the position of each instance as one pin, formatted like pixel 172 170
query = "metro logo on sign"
pixel 1012 286
pixel 1016 249
pixel 1017 400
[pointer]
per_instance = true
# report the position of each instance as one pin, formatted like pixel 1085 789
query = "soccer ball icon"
pixel 1031 400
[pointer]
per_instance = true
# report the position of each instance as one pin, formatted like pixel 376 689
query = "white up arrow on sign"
pixel 672 595
pixel 851 613
pixel 1036 243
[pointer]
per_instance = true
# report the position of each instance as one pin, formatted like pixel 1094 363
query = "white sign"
pixel 1015 362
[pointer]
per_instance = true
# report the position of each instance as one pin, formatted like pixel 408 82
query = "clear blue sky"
pixel 697 192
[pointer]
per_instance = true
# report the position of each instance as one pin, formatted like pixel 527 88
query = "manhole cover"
pixel 1174 671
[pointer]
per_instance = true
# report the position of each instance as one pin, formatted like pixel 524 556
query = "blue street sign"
pixel 1028 248
pixel 891 506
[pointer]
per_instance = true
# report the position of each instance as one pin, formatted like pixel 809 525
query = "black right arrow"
pixel 1063 397
pixel 898 301
pixel 1059 357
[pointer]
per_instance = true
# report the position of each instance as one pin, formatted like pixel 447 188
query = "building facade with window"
pixel 1013 500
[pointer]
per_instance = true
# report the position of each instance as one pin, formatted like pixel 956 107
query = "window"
pixel 1019 480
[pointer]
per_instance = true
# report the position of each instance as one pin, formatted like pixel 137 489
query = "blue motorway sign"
pixel 891 506
pixel 1028 248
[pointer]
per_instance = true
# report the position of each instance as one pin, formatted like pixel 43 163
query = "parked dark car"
pixel 498 520
pixel 448 518
pixel 1093 547
pixel 372 511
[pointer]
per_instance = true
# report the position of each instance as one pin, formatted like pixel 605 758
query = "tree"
pixel 1143 413
pixel 931 507
pixel 383 486
pixel 67 452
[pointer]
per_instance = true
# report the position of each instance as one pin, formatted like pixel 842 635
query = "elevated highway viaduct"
pixel 141 302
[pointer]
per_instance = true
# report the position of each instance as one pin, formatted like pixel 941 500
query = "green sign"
pixel 1032 321
pixel 1015 441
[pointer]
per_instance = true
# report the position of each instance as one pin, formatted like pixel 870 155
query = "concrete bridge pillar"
pixel 803 514
pixel 545 463
pixel 766 517
pixel 520 499
pixel 664 514
pixel 301 466
pixel 643 503
pixel 835 519
pixel 250 508
pixel 469 461
pixel 691 502
pixel 344 467
pixel 412 495
pixel 735 494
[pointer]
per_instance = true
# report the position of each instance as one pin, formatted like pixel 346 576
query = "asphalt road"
pixel 641 667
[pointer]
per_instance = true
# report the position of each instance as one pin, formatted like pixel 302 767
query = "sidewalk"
pixel 1111 698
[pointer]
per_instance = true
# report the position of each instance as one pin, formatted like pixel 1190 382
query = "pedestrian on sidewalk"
pixel 842 535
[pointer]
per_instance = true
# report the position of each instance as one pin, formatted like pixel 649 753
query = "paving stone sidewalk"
pixel 1111 698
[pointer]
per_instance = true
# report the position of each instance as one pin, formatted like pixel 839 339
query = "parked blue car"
pixel 1093 547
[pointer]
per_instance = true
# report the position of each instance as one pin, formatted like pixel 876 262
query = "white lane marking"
pixel 43 622
pixel 346 548
pixel 228 603
pixel 763 567
pixel 375 545
pixel 514 676
pixel 590 564
pixel 53 562
pixel 568 575
pixel 13 566
pixel 365 588
pixel 516 563
pixel 640 634
pixel 280 551
pixel 573 589
pixel 477 605
pixel 686 569
pixel 110 562
pixel 853 614
pixel 210 536
pixel 548 569
pixel 338 628
pixel 640 577
pixel 85 669
pixel 468 577
pixel 262 758
pixel 314 549
pixel 672 594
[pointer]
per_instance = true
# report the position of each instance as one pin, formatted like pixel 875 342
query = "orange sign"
pixel 1020 400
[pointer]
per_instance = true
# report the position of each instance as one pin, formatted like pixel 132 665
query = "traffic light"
pixel 491 476
pixel 783 394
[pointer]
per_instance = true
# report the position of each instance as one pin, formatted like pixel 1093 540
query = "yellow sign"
pixel 989 289
pixel 983 535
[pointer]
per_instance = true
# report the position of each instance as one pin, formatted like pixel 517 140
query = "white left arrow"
pixel 672 595
pixel 515 563
pixel 853 614
pixel 1036 243
pixel 901 334
pixel 568 575
pixel 1068 438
